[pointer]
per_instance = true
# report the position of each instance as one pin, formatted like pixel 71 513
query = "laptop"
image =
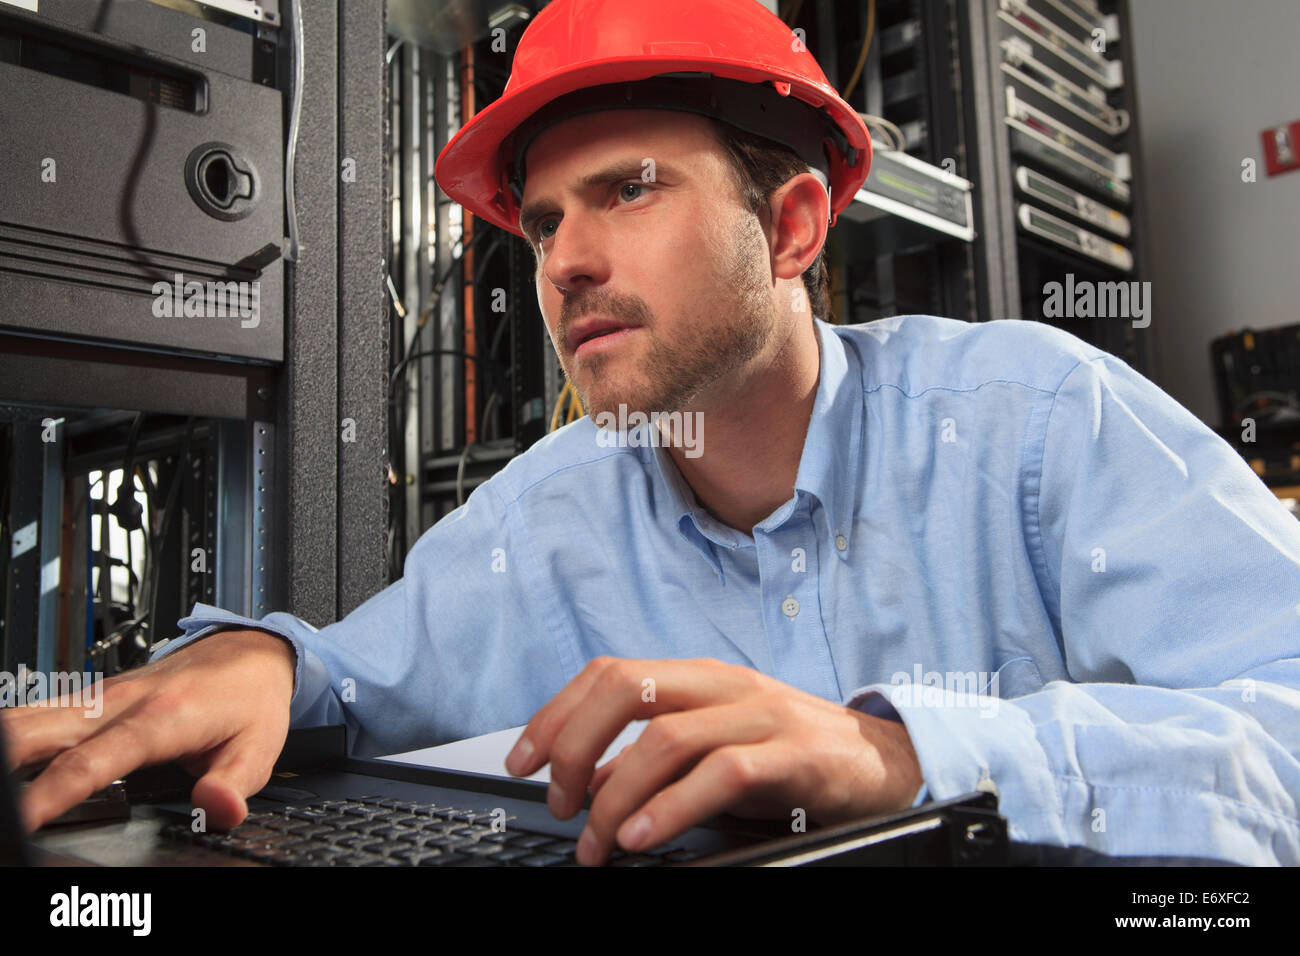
pixel 324 808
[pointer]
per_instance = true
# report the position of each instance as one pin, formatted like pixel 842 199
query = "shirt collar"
pixel 828 468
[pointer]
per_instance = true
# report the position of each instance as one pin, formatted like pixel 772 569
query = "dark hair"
pixel 761 166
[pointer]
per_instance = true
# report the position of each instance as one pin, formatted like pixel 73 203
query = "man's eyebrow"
pixel 615 172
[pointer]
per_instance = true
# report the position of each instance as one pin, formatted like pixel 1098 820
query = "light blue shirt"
pixel 1069 589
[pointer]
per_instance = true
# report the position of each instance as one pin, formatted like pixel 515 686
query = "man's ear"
pixel 800 209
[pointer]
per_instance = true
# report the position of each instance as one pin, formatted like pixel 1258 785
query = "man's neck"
pixel 753 439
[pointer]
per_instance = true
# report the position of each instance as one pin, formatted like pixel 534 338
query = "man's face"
pixel 636 219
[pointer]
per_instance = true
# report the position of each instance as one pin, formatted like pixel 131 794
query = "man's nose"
pixel 578 252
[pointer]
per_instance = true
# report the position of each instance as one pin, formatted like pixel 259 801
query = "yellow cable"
pixel 559 403
pixel 574 411
pixel 866 45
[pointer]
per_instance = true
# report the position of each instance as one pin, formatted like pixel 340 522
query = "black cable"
pixel 439 287
pixel 103 586
pixel 128 506
pixel 426 353
pixel 182 467
pixel 487 257
pixel 496 339
pixel 397 421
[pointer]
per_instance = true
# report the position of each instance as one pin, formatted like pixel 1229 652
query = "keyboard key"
pixel 309 815
pixel 540 859
pixel 448 842
pixel 636 859
pixel 508 854
pixel 272 839
pixel 247 832
pixel 310 846
pixel 309 831
pixel 533 840
pixel 392 833
pixel 275 856
pixel 443 859
pixel 351 842
pixel 561 847
pixel 328 853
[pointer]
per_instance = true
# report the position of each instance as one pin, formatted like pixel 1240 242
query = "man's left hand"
pixel 721 738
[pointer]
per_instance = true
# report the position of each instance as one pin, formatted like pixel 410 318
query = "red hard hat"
pixel 731 59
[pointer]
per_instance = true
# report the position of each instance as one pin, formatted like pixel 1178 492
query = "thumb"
pixel 238 769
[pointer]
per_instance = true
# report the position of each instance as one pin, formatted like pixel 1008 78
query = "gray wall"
pixel 1223 254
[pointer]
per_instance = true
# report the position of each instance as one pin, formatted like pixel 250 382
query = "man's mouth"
pixel 594 329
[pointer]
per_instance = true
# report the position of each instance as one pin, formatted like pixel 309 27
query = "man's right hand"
pixel 219 707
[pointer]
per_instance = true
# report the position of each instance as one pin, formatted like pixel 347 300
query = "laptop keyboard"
pixel 379 831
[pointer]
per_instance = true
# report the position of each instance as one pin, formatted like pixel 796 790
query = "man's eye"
pixel 542 235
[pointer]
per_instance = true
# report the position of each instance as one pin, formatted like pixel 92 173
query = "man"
pixel 914 558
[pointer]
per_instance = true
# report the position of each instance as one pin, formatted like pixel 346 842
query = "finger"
pixel 726 777
pixel 236 770
pixel 524 758
pixel 624 691
pixel 36 732
pixel 76 773
pixel 688 683
pixel 670 746
pixel 603 771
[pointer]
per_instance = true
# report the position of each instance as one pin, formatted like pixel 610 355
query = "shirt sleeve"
pixel 1172 578
pixel 462 645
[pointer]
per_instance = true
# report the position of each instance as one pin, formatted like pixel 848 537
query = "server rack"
pixel 1056 121
pixel 281 448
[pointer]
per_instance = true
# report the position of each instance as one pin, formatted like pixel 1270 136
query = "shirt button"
pixel 841 542
pixel 790 607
